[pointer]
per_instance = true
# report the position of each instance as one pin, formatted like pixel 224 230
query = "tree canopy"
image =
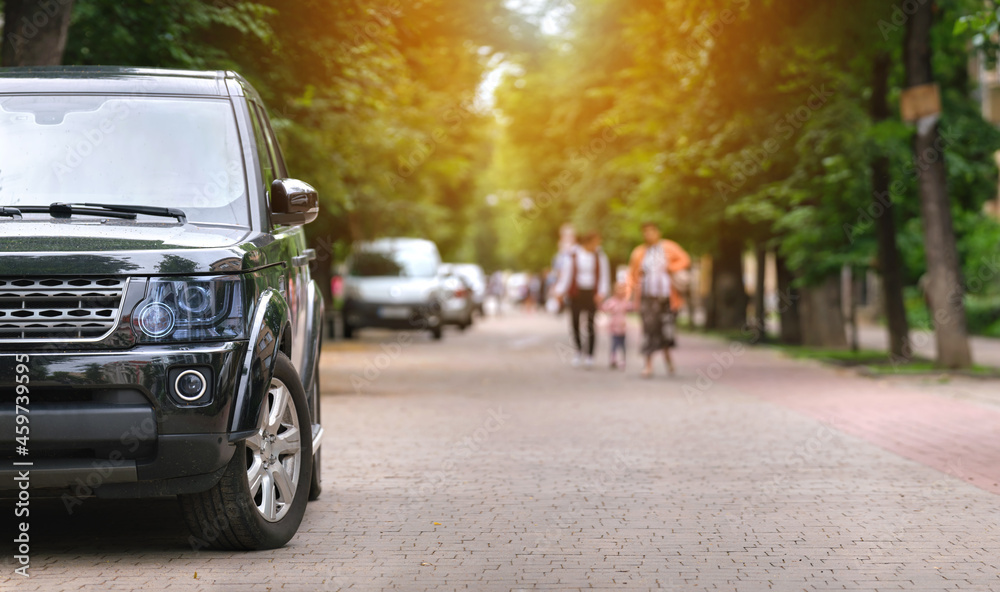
pixel 734 124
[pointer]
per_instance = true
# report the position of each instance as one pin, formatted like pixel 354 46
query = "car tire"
pixel 229 515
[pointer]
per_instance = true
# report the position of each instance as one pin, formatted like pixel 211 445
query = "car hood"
pixel 393 289
pixel 96 247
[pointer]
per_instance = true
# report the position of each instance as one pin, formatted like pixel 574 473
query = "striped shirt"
pixel 655 277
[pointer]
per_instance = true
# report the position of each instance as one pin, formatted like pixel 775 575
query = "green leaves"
pixel 695 114
pixel 167 33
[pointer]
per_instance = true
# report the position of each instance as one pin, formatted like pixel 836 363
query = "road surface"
pixel 487 462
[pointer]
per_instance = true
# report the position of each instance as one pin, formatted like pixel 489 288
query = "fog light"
pixel 190 385
pixel 156 319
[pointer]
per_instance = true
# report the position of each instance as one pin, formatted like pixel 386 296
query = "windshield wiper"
pixel 65 210
pixel 61 210
pixel 147 210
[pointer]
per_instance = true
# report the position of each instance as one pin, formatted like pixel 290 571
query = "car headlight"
pixel 191 309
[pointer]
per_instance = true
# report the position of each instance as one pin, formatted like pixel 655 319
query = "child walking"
pixel 616 307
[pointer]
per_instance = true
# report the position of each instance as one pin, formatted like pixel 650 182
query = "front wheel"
pixel 261 498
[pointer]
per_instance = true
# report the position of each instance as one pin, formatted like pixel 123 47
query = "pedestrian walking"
pixel 585 281
pixel 543 289
pixel 533 292
pixel 495 291
pixel 657 270
pixel 616 308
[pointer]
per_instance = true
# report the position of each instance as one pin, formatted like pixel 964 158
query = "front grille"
pixel 64 309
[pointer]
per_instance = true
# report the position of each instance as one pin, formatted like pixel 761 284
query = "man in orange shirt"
pixel 654 270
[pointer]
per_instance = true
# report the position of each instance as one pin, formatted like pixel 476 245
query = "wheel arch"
pixel 270 334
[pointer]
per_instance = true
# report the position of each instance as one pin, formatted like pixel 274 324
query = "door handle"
pixel 304 259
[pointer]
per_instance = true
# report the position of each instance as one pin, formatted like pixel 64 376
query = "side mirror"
pixel 293 202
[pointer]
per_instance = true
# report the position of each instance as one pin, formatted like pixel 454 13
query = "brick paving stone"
pixel 779 475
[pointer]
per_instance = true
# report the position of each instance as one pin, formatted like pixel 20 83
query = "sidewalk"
pixel 985 350
pixel 486 462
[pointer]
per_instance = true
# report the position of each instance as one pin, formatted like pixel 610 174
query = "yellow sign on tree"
pixel 920 101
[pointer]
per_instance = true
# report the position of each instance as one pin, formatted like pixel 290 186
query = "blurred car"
pixel 475 277
pixel 516 287
pixel 458 304
pixel 393 283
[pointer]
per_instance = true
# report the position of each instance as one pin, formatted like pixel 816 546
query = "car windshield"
pixel 151 151
pixel 402 263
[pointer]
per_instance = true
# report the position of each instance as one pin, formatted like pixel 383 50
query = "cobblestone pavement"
pixel 487 462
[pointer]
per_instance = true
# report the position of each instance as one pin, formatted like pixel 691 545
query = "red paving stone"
pixel 955 437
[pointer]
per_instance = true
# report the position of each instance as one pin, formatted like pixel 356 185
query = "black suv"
pixel 159 327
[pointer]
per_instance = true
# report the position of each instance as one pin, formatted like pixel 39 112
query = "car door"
pixel 290 240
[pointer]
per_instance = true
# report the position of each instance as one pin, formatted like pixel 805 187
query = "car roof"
pixel 120 80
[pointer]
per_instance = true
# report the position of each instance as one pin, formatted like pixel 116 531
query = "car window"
pixel 277 149
pixel 374 264
pixel 395 263
pixel 264 153
pixel 124 150
pixel 272 144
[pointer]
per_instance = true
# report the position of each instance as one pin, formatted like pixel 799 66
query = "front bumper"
pixel 406 315
pixel 109 422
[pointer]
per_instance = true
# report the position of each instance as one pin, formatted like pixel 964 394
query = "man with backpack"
pixel 585 280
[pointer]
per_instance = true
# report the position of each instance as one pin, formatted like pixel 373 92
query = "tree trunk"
pixel 729 298
pixel 890 264
pixel 944 288
pixel 35 32
pixel 852 315
pixel 788 304
pixel 822 313
pixel 760 315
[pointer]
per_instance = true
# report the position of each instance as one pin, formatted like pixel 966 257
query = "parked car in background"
pixel 458 305
pixel 475 277
pixel 393 283
pixel 159 326
pixel 516 288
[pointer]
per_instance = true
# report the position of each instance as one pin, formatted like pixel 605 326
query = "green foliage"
pixel 738 117
pixel 978 24
pixel 373 103
pixel 711 118
pixel 163 33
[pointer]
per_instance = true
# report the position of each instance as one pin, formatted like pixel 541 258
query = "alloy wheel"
pixel 274 454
